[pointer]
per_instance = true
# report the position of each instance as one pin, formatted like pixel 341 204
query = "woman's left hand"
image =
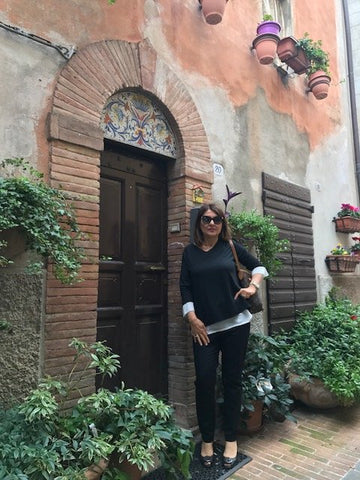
pixel 246 292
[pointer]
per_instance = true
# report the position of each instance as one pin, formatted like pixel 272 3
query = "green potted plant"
pixel 43 216
pixel 321 353
pixel 340 260
pixel 257 232
pixel 348 219
pixel 43 437
pixel 268 25
pixel 318 72
pixel 266 393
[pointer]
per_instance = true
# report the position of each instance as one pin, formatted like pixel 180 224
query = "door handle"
pixel 157 268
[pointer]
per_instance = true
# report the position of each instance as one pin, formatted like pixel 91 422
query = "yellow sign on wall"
pixel 197 194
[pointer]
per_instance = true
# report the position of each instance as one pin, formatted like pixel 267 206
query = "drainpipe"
pixel 355 126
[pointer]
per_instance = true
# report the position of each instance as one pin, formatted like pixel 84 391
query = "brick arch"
pixel 76 140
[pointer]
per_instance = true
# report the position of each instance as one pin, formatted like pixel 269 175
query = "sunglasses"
pixel 206 220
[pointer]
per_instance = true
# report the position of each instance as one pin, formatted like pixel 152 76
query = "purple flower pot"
pixel 268 26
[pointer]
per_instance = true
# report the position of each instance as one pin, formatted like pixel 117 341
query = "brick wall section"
pixel 83 87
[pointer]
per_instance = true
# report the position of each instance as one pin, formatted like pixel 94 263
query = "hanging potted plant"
pixel 268 25
pixel 355 249
pixel 318 73
pixel 290 52
pixel 266 40
pixel 348 219
pixel 340 260
pixel 213 10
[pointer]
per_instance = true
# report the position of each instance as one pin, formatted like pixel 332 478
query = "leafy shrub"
pixel 324 343
pixel 42 440
pixel 259 232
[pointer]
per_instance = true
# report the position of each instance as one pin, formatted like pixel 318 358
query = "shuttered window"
pixel 294 287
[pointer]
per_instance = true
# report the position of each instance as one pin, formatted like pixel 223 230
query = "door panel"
pixel 132 277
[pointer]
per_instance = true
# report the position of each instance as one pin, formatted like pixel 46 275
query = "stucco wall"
pixel 20 345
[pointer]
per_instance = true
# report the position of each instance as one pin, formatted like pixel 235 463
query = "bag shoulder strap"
pixel 240 270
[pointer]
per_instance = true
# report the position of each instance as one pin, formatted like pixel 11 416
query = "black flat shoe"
pixel 207 461
pixel 229 462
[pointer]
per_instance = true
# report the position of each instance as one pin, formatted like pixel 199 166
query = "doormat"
pixel 198 472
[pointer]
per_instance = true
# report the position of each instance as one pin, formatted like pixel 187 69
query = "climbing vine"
pixel 44 216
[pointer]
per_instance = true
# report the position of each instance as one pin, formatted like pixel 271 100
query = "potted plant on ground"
pixel 322 350
pixel 266 40
pixel 40 438
pixel 266 393
pixel 340 260
pixel 318 72
pixel 348 219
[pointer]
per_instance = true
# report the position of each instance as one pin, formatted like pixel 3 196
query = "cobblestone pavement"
pixel 322 445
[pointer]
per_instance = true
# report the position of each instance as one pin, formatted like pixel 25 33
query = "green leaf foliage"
pixel 45 217
pixel 319 59
pixel 324 343
pixel 258 231
pixel 42 440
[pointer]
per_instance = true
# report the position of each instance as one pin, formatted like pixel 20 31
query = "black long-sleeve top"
pixel 210 281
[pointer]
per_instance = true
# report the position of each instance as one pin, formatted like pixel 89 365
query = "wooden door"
pixel 132 273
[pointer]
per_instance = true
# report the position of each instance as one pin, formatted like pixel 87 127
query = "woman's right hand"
pixel 198 329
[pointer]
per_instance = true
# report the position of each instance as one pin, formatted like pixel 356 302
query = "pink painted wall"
pixel 219 53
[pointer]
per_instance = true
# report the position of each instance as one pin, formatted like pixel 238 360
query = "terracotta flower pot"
pixel 291 54
pixel 313 393
pixel 213 10
pixel 265 47
pixel 254 420
pixel 95 471
pixel 319 84
pixel 341 263
pixel 347 224
pixel 268 26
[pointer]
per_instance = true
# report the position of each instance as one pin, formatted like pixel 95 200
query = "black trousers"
pixel 232 344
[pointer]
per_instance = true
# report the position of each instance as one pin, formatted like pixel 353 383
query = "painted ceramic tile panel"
pixel 134 119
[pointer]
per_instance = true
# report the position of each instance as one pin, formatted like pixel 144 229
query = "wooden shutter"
pixel 294 287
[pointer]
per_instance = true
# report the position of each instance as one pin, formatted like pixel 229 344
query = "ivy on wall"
pixel 45 218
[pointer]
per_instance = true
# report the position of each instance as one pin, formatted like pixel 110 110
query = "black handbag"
pixel 255 303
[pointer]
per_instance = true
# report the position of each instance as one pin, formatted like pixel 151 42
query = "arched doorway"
pixel 84 85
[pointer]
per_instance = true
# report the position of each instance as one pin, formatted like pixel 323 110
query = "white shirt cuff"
pixel 188 307
pixel 261 270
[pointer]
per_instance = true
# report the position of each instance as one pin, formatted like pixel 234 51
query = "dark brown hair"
pixel 225 233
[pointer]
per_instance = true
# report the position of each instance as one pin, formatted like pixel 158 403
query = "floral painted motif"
pixel 134 119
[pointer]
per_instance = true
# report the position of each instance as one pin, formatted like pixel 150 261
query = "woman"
pixel 215 307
